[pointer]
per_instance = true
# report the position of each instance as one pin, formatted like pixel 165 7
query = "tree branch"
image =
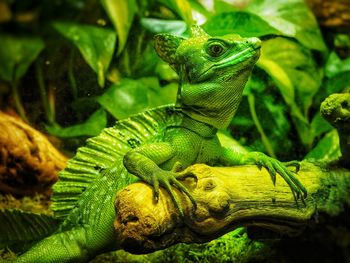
pixel 227 198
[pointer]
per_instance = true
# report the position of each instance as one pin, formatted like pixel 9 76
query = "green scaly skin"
pixel 213 72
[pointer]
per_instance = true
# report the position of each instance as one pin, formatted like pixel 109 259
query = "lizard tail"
pixel 61 247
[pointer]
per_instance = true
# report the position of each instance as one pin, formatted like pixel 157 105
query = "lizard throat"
pixel 202 129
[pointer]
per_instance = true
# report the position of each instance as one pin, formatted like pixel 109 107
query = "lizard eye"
pixel 215 50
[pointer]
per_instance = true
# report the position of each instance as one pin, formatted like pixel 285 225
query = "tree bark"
pixel 29 163
pixel 227 198
pixel 332 14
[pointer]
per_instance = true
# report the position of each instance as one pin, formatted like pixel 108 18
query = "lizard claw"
pixel 182 176
pixel 274 166
pixel 177 167
pixel 168 178
pixel 294 163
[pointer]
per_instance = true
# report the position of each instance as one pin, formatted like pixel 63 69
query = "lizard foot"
pixel 168 179
pixel 294 163
pixel 274 166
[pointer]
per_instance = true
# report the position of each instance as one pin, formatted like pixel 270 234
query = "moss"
pixel 37 204
pixel 232 247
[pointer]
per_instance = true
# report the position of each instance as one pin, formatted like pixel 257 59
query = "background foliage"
pixel 91 62
pixel 72 67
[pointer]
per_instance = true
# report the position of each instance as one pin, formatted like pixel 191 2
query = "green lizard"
pixel 154 145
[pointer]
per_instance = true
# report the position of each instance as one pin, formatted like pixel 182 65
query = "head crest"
pixel 197 31
pixel 166 46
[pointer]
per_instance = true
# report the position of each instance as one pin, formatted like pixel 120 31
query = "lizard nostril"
pixel 344 104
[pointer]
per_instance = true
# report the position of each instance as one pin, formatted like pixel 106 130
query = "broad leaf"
pixel 176 27
pixel 121 13
pixel 319 125
pixel 134 96
pixel 91 127
pixel 242 23
pixel 338 83
pixel 327 148
pixel 336 66
pixel 17 54
pixel 291 17
pixel 293 69
pixel 180 7
pixel 96 45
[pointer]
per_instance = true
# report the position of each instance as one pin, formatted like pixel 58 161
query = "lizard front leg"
pixel 230 157
pixel 144 162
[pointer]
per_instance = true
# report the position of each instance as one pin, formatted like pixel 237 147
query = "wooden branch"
pixel 29 162
pixel 227 198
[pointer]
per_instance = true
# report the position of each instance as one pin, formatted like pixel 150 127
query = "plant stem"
pixel 265 140
pixel 18 103
pixel 43 92
pixel 71 77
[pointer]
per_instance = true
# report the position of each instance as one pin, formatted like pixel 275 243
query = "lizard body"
pixel 155 145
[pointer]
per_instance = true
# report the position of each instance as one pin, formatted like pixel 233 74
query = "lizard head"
pixel 212 70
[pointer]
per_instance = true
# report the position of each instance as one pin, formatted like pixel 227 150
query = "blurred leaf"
pixel 180 7
pixel 256 82
pixel 278 115
pixel 96 45
pixel 242 23
pixel 121 13
pixel 272 115
pixel 280 77
pixel 139 58
pixel 176 27
pixel 165 72
pixel 342 41
pixel 201 10
pixel 336 66
pixel 17 54
pixel 327 149
pixel 293 69
pixel 319 125
pixel 220 6
pixel 91 127
pixel 134 96
pixel 337 83
pixel 291 17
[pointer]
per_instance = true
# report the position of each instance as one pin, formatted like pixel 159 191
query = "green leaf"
pixel 17 54
pixel 291 17
pixel 319 125
pixel 96 45
pixel 134 96
pixel 180 7
pixel 121 13
pixel 335 65
pixel 337 83
pixel 327 148
pixel 91 127
pixel 293 69
pixel 176 27
pixel 242 23
pixel 280 77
